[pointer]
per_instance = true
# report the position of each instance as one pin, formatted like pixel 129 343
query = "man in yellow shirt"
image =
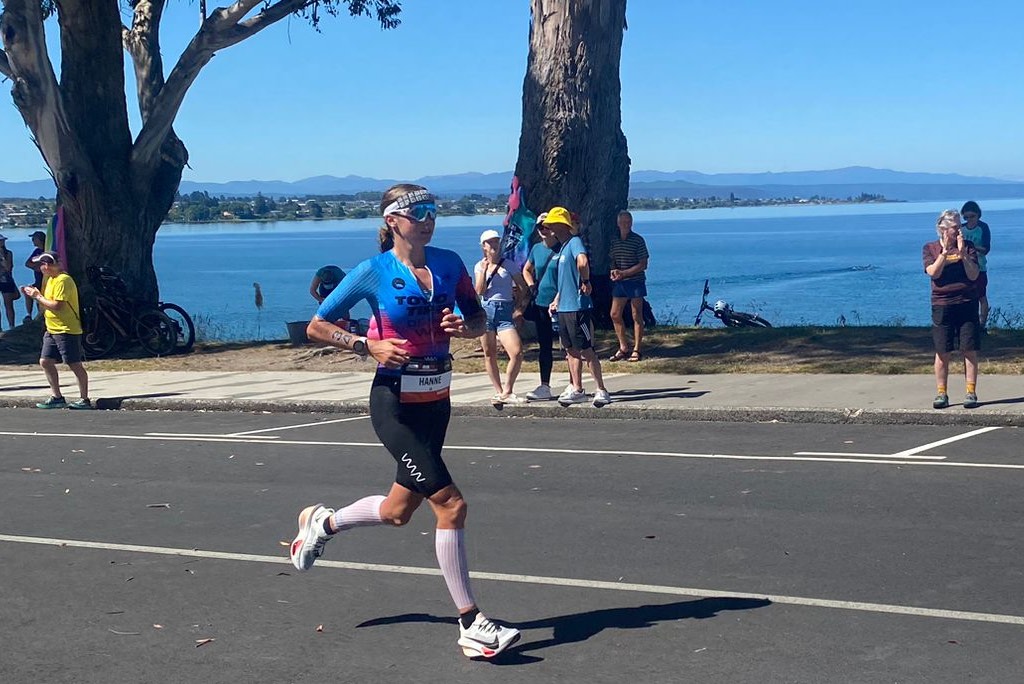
pixel 62 340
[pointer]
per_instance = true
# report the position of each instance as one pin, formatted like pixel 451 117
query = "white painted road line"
pixel 293 427
pixel 855 455
pixel 539 580
pixel 941 442
pixel 537 450
pixel 201 435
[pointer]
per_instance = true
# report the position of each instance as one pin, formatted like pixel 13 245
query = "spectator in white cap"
pixel 499 282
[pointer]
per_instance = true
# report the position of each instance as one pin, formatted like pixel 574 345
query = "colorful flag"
pixel 55 237
pixel 519 223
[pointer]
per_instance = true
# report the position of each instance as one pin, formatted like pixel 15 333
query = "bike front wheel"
pixel 155 332
pixel 184 328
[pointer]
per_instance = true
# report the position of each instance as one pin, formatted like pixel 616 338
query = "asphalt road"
pixel 653 550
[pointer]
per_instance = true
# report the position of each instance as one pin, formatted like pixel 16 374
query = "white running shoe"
pixel 309 542
pixel 542 393
pixel 572 396
pixel 486 638
pixel 601 398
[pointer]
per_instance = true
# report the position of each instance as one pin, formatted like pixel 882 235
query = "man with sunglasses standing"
pixel 62 340
pixel 977 231
pixel 413 290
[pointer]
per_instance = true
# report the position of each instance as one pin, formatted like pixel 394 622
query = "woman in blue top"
pixel 413 290
pixel 540 274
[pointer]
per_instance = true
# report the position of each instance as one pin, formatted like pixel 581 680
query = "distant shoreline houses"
pixel 200 207
pixel 26 213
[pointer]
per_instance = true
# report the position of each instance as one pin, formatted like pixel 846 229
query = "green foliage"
pixel 386 11
pixel 260 206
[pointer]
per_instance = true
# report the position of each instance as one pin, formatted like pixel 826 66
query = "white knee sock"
pixel 364 512
pixel 450 547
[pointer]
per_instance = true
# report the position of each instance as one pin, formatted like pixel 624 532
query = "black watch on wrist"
pixel 359 346
pixel 584 282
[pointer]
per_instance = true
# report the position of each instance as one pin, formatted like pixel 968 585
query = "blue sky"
pixel 711 86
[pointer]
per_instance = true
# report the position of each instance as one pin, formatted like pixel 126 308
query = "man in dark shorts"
pixel 574 308
pixel 952 264
pixel 62 340
pixel 38 245
pixel 629 285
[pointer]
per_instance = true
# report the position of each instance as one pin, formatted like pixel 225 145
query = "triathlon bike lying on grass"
pixel 725 313
pixel 161 329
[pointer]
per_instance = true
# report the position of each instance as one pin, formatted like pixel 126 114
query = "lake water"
pixel 793 265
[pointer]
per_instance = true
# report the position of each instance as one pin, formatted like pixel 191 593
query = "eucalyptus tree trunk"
pixel 572 151
pixel 113 204
pixel 116 189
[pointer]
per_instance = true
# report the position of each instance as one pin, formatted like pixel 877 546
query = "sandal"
pixel 634 357
pixel 619 355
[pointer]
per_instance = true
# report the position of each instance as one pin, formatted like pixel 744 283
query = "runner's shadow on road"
pixel 577 627
pixel 620 396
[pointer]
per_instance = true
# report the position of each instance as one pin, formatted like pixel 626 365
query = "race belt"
pixel 425 379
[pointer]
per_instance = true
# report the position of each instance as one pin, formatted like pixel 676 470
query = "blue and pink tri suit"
pixel 401 309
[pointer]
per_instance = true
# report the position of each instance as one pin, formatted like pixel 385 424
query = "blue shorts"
pixel 629 289
pixel 499 316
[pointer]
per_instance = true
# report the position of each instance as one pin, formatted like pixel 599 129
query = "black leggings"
pixel 414 434
pixel 545 337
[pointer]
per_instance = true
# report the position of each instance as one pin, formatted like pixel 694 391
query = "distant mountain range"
pixel 840 183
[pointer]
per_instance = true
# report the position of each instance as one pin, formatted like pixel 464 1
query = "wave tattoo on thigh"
pixel 413 470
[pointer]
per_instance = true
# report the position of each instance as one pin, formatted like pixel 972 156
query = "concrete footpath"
pixel 784 397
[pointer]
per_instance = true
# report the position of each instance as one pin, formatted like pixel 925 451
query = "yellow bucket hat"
pixel 558 215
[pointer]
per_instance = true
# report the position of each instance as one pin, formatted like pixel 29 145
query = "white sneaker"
pixel 309 542
pixel 542 393
pixel 601 398
pixel 572 397
pixel 486 638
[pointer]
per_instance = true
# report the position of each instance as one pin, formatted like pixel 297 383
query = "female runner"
pixel 412 290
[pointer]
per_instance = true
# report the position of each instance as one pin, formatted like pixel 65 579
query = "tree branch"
pixel 142 42
pixel 236 32
pixel 36 92
pixel 221 29
pixel 5 66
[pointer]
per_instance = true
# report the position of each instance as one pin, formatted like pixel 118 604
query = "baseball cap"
pixel 489 235
pixel 3 237
pixel 47 256
pixel 558 215
pixel 37 234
